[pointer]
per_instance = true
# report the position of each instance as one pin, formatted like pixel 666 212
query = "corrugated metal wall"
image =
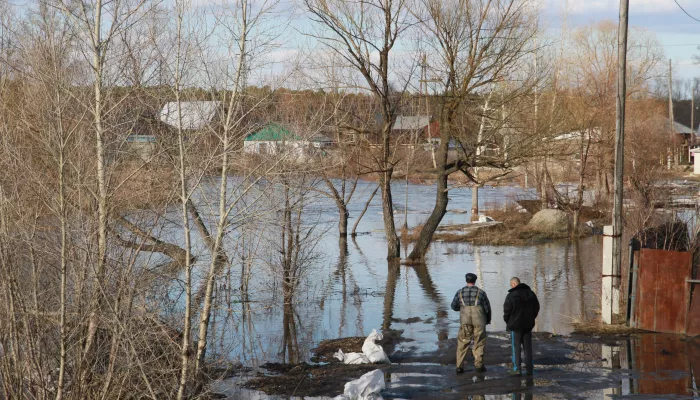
pixel 663 293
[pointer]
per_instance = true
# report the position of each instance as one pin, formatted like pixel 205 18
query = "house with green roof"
pixel 275 139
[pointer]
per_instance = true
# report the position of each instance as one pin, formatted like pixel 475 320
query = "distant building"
pixel 589 133
pixel 144 146
pixel 275 139
pixel 320 141
pixel 683 140
pixel 696 160
pixel 416 129
pixel 194 115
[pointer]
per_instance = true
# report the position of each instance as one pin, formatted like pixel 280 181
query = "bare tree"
pixel 356 32
pixel 477 44
pixel 591 59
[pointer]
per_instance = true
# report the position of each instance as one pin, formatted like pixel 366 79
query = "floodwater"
pixel 349 289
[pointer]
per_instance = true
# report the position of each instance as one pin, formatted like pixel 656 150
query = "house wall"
pixel 294 149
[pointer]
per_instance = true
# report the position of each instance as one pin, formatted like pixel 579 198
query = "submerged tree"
pixel 479 46
pixel 357 32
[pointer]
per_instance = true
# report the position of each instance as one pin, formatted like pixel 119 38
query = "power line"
pixel 686 12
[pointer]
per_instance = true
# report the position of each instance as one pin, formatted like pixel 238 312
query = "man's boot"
pixel 481 369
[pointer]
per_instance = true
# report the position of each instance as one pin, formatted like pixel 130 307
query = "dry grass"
pixel 325 350
pixel 512 232
pixel 598 328
pixel 503 235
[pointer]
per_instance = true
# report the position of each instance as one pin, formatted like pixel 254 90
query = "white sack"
pixel 351 358
pixel 374 352
pixel 367 387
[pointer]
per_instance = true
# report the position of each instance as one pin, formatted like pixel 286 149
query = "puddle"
pixel 565 367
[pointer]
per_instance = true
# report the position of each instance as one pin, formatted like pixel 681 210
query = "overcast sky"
pixel 678 33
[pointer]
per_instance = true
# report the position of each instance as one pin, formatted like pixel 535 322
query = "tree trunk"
pixel 64 269
pixel 475 203
pixel 364 210
pixel 98 64
pixel 392 239
pixel 343 221
pixel 341 200
pixel 441 200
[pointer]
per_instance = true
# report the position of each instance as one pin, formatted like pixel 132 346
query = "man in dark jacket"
pixel 519 312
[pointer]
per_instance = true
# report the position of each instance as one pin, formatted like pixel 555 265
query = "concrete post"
pixel 610 296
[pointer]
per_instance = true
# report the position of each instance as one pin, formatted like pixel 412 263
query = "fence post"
pixel 610 296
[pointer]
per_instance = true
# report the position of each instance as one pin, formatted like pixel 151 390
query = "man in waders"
pixel 519 312
pixel 474 314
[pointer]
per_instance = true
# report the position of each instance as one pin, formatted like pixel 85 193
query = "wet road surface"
pixel 566 367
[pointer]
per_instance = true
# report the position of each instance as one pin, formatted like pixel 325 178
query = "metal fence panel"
pixel 694 312
pixel 662 290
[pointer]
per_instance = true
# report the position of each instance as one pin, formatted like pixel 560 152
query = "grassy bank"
pixel 511 230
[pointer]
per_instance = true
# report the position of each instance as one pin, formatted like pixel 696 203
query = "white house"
pixel 276 139
pixel 696 161
pixel 195 115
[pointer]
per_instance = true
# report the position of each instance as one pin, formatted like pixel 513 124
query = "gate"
pixel 663 292
pixel 693 326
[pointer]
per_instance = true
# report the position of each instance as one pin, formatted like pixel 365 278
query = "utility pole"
pixel 692 114
pixel 669 152
pixel 611 276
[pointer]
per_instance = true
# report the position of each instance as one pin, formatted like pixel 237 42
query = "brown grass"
pixel 518 235
pixel 512 232
pixel 599 328
pixel 326 349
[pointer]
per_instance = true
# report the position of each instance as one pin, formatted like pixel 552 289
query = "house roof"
pixel 679 128
pixel 272 133
pixel 410 122
pixel 195 114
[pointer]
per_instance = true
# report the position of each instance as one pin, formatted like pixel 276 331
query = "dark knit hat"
pixel 471 278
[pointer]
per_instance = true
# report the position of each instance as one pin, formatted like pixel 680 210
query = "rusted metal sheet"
pixel 668 361
pixel 662 290
pixel 694 311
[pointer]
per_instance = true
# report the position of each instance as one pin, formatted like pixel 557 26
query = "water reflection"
pixel 341 272
pixel 668 364
pixel 578 266
pixel 432 293
pixel 392 278
pixel 290 345
pixel 352 289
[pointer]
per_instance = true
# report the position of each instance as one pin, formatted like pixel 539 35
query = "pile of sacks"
pixel 371 352
pixel 369 385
